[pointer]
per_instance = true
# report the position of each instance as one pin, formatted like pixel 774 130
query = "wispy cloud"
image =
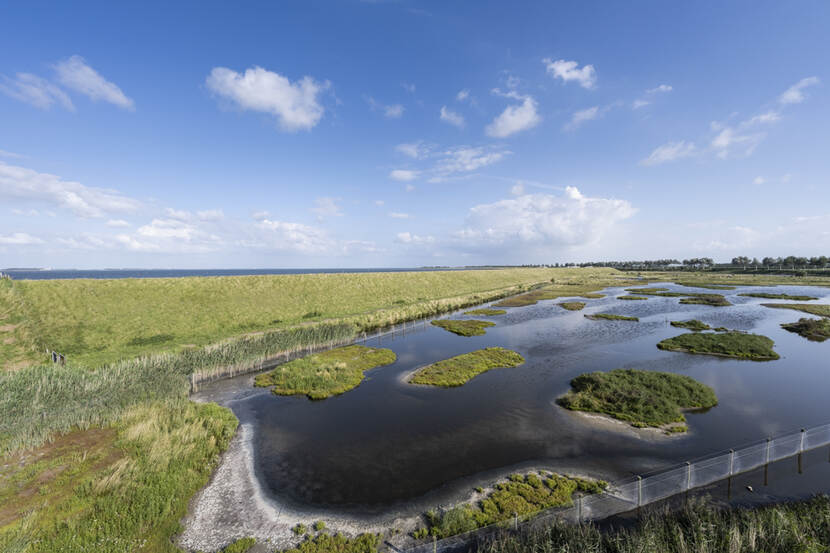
pixel 19 239
pixel 326 207
pixel 74 73
pixel 795 94
pixel 671 151
pixel 451 117
pixel 403 175
pixel 399 215
pixel 581 116
pixel 392 111
pixel 415 150
pixel 35 91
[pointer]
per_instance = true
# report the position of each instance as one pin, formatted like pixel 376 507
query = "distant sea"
pixel 44 274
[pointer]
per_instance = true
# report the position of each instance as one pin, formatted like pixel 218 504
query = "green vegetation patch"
pixel 576 283
pixel 821 310
pixel 337 543
pixel 486 312
pixel 705 285
pixel 653 290
pixel 641 398
pixel 715 300
pixel 631 297
pixel 325 374
pixel 611 317
pixel 778 296
pixel 464 328
pixel 739 345
pixel 592 296
pixel 692 324
pixel 815 330
pixel 572 305
pixel 521 495
pixel 458 370
pixel 241 545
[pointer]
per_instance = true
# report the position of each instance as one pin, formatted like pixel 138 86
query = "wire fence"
pixel 632 493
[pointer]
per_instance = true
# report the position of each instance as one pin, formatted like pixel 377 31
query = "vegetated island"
pixel 716 300
pixel 693 324
pixel 463 328
pixel 611 317
pixel 325 374
pixel 815 330
pixel 460 369
pixel 641 398
pixel 576 284
pixel 768 296
pixel 631 297
pixel 821 310
pixel 520 494
pixel 739 345
pixel 707 286
pixel 572 305
pixel 486 312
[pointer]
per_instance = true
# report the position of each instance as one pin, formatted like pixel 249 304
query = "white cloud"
pixel 452 117
pixel 728 139
pixel 180 214
pixel 569 71
pixel 409 87
pixel 414 239
pixel 403 175
pixel 19 239
pixel 661 88
pixel 637 104
pixel 399 215
pixel 759 180
pixel 542 220
pixel 517 189
pixel 462 95
pixel 76 74
pixel 36 91
pixel 415 150
pixel 394 111
pixel 379 203
pixel 326 207
pixel 280 235
pixel 295 105
pixel 763 118
pixel 171 236
pixel 465 159
pixel 581 116
pixel 670 151
pixel 260 215
pixel 4 153
pixel 795 94
pixel 117 223
pixel 210 215
pixel 26 212
pixel 84 201
pixel 514 119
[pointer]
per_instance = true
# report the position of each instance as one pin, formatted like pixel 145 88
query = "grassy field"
pixel 813 309
pixel 463 327
pixel 486 312
pixel 778 296
pixel 458 370
pixel 733 279
pixel 119 488
pixel 693 325
pixel 802 527
pixel 583 283
pixel 325 374
pixel 815 330
pixel 716 300
pixel 641 398
pixel 572 305
pixel 611 317
pixel 94 322
pixel 739 345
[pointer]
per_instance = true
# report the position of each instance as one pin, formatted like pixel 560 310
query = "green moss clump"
pixel 692 324
pixel 319 526
pixel 463 328
pixel 778 296
pixel 486 312
pixel 572 305
pixel 460 369
pixel 300 529
pixel 739 345
pixel 641 398
pixel 325 374
pixel 821 310
pixel 815 330
pixel 611 317
pixel 240 546
pixel 631 297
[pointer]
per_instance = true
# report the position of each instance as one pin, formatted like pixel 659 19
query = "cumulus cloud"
pixel 671 151
pixel 172 236
pixel 514 119
pixel 76 74
pixel 35 91
pixel 452 117
pixel 517 189
pixel 570 71
pixel 19 239
pixel 210 215
pixel 295 104
pixel 84 201
pixel 795 94
pixel 403 175
pixel 326 207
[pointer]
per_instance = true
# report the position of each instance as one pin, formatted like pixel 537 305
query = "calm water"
pixel 388 442
pixel 177 273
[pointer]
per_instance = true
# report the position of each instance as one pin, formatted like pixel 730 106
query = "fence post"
pixel 688 475
pixel 639 491
pixel 801 445
pixel 731 461
pixel 434 543
pixel 769 444
pixel 516 518
pixel 579 509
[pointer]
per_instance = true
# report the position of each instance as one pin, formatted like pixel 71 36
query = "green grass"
pixel 650 291
pixel 641 398
pixel 715 300
pixel 631 297
pixel 239 546
pixel 460 369
pixel 692 324
pixel 815 330
pixel 113 490
pixel 572 305
pixel 778 296
pixel 799 527
pixel 739 345
pixel 485 312
pixel 821 310
pixel 520 494
pixel 610 317
pixel 592 296
pixel 705 285
pixel 582 282
pixel 463 327
pixel 325 374
pixel 337 543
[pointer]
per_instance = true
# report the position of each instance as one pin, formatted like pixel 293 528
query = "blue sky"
pixel 404 133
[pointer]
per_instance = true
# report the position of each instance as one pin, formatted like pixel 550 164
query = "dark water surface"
pixel 387 442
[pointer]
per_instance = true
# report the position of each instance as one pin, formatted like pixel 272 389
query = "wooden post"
pixel 639 491
pixel 731 461
pixel 688 476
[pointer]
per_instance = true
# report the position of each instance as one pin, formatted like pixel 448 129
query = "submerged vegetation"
pixel 631 297
pixel 463 327
pixel 693 324
pixel 458 370
pixel 778 296
pixel 325 374
pixel 822 310
pixel 486 312
pixel 572 305
pixel 610 317
pixel 739 345
pixel 520 495
pixel 716 300
pixel 641 398
pixel 815 330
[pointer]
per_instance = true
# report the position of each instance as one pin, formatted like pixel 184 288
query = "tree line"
pixel 790 262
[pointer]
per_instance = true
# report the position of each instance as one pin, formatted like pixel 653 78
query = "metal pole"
pixel 688 475
pixel 639 491
pixel 769 443
pixel 801 445
pixel 579 509
pixel 516 518
pixel 731 461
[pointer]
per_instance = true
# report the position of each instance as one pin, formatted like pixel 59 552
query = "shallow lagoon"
pixel 391 446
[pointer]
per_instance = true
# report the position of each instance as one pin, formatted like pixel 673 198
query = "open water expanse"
pixel 387 443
